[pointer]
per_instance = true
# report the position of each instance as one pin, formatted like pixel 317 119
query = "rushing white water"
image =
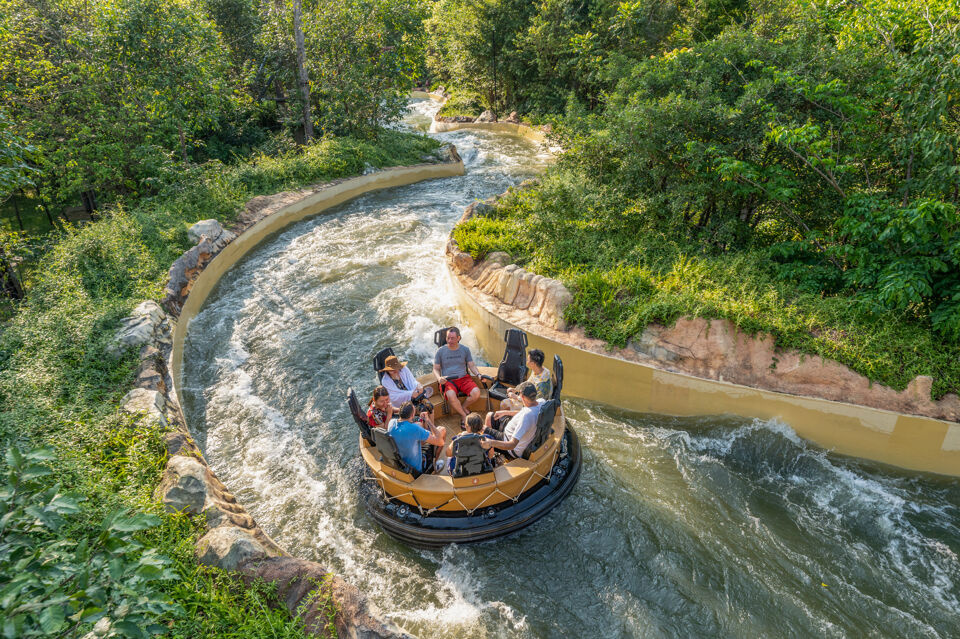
pixel 679 527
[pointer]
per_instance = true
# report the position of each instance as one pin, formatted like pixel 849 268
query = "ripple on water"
pixel 685 527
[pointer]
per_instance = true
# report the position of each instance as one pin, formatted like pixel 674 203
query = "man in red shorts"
pixel 452 366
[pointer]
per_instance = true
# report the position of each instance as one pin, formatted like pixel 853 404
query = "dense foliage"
pixel 57 386
pixel 816 141
pixel 163 113
pixel 117 96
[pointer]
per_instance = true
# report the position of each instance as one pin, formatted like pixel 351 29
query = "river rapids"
pixel 679 527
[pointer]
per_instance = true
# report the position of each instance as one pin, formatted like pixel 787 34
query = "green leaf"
pixel 140 521
pixel 52 619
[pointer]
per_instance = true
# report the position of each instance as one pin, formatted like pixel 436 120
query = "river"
pixel 679 527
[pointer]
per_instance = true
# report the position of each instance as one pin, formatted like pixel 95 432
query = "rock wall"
pixel 233 541
pixel 710 349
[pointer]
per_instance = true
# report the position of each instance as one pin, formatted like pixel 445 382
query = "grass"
pixel 58 388
pixel 625 274
pixel 461 104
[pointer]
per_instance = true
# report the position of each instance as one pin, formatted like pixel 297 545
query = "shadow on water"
pixel 704 526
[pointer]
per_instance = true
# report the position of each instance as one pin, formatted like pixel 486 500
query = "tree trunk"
pixel 183 145
pixel 16 209
pixel 302 80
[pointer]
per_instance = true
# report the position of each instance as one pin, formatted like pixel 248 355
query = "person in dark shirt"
pixel 380 411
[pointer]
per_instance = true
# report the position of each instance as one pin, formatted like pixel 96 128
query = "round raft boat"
pixel 478 502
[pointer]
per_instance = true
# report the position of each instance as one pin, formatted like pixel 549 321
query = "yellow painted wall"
pixel 907 441
pixel 499 127
pixel 309 205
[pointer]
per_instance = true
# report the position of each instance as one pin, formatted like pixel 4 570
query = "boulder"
pixel 487 116
pixel 138 329
pixel 150 376
pixel 229 547
pixel 213 231
pixel 486 271
pixel 297 582
pixel 525 290
pixel 486 207
pixel 539 294
pixel 555 301
pixel 220 513
pixel 508 283
pixel 180 443
pixel 183 487
pixel 462 262
pixel 208 228
pixel 513 118
pixel 498 257
pixel 149 403
pixel 184 271
pixel 492 285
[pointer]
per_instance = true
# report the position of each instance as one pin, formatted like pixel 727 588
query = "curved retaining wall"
pixel 908 441
pixel 522 130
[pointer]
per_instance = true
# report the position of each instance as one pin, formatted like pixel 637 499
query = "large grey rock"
pixel 229 547
pixel 183 487
pixel 487 116
pixel 149 403
pixel 210 228
pixel 141 327
pixel 296 580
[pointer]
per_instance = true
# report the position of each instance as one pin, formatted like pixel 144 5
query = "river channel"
pixel 679 527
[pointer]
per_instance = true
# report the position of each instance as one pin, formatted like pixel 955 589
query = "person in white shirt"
pixel 400 382
pixel 521 428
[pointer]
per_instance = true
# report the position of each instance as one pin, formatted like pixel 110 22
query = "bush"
pixel 56 584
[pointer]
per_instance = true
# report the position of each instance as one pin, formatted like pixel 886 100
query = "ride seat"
pixel 359 416
pixel 389 453
pixel 379 360
pixel 470 456
pixel 548 412
pixel 513 366
pixel 557 377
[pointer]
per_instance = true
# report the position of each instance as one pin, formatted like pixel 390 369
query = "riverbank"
pixel 698 367
pixel 61 388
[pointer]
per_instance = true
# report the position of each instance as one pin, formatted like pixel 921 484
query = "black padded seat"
pixel 471 457
pixel 513 366
pixel 359 416
pixel 390 453
pixel 557 377
pixel 548 411
pixel 378 361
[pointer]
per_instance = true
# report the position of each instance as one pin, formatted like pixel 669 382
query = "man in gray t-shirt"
pixel 521 429
pixel 452 365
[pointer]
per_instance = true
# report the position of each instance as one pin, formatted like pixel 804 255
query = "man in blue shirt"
pixel 409 437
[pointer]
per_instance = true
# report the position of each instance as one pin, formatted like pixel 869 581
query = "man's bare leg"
pixel 451 396
pixel 473 396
